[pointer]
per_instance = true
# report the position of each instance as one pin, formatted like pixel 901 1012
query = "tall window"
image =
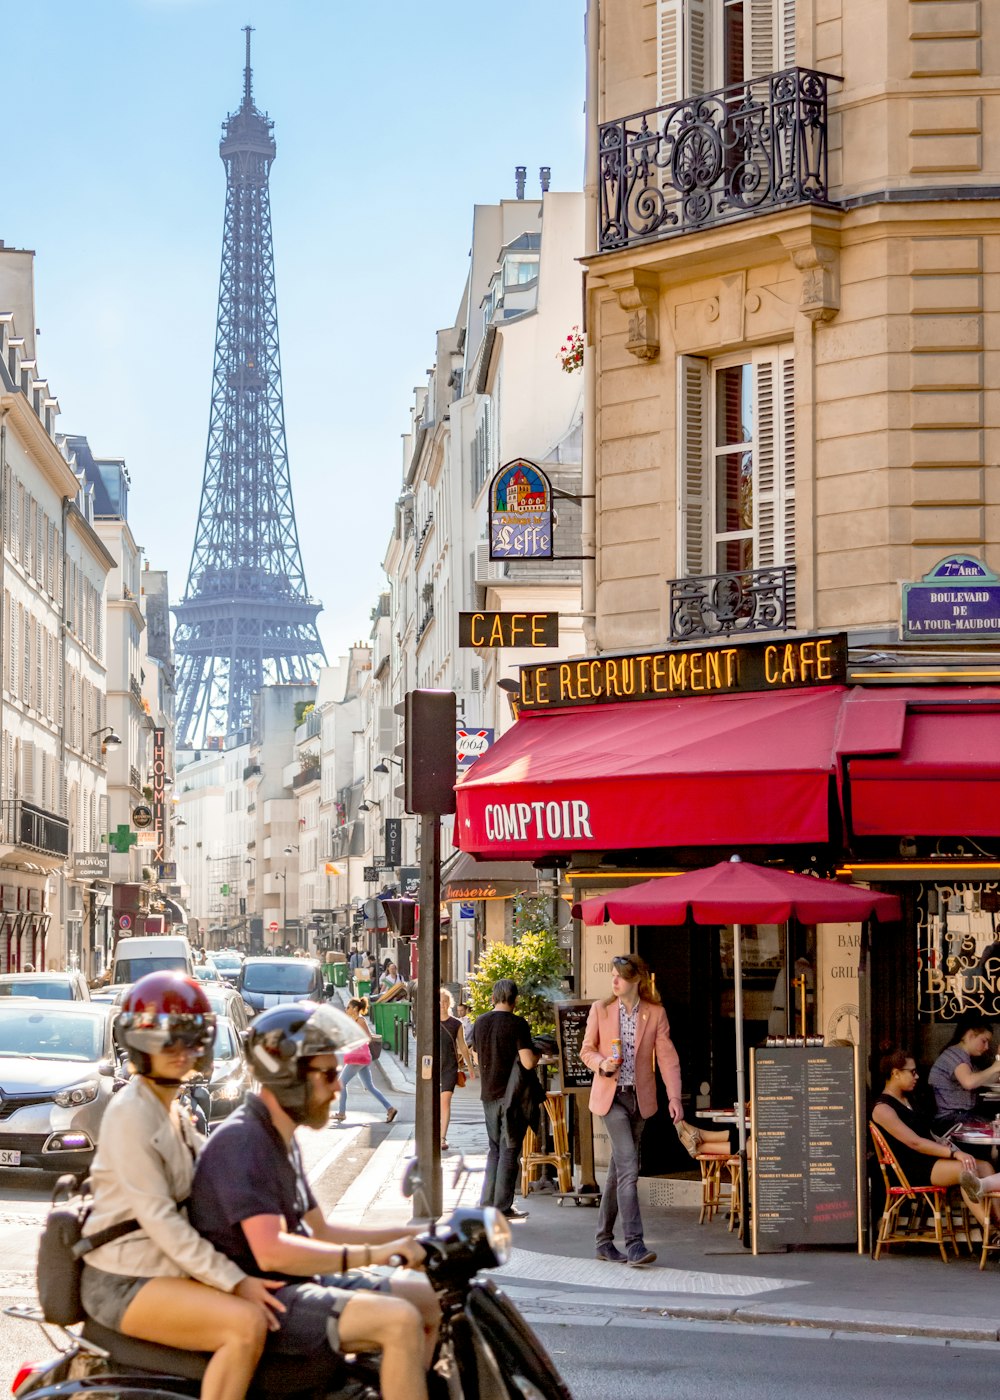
pixel 707 44
pixel 736 463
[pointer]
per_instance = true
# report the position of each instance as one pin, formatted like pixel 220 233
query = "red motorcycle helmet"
pixel 161 1009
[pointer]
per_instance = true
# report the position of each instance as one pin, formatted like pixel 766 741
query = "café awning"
pixel 724 770
pixel 935 770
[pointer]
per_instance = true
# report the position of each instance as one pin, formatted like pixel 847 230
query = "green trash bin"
pixel 339 974
pixel 363 988
pixel 385 1014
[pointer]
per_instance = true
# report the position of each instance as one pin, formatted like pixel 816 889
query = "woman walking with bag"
pixel 456 1061
pixel 357 1064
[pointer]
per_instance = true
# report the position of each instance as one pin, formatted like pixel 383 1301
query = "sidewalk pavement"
pixel 702 1272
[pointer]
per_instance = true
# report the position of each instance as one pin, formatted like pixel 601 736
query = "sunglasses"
pixel 190 1040
pixel 625 965
pixel 330 1075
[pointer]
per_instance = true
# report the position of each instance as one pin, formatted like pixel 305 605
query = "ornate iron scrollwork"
pixel 711 605
pixel 756 145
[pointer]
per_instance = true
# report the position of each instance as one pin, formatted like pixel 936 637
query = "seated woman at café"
pixel 923 1160
pixel 954 1079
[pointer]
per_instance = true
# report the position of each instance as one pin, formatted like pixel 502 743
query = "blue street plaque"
pixel 959 600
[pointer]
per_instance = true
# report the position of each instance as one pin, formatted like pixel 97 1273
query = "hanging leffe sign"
pixel 520 512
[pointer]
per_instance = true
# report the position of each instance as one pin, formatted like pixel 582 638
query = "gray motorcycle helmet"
pixel 282 1041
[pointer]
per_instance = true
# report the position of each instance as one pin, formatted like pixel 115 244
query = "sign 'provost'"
pixel 656 675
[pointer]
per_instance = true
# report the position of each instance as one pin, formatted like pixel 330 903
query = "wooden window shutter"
pixel 694 475
pixel 786 49
pixel 761 50
pixel 682 49
pixel 774 464
pixel 27 770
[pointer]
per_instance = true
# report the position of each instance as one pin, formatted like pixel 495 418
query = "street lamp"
pixel 109 736
pixel 383 766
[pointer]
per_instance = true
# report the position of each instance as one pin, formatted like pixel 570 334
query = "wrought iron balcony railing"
pixel 752 600
pixel 306 776
pixel 751 147
pixel 34 829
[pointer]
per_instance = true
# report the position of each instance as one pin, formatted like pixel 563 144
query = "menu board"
pixel 571 1026
pixel 805 1163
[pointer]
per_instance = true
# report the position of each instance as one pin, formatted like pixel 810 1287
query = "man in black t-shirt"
pixel 499 1038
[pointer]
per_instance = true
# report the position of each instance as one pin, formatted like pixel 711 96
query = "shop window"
pixel 958 952
pixel 736 460
pixel 707 44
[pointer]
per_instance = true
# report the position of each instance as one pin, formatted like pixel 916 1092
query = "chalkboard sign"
pixel 805 1163
pixel 571 1026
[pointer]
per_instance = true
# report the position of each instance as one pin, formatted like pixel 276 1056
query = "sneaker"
pixel 638 1255
pixel 972 1186
pixel 512 1213
pixel 391 1114
pixel 339 1117
pixel 609 1253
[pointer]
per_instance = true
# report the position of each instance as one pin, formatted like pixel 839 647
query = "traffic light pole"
pixel 427 1202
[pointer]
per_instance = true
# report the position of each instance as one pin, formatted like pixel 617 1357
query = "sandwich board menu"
pixel 805 1133
pixel 571 1027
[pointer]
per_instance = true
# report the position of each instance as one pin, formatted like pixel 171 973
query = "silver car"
pixel 57 1074
pixel 50 986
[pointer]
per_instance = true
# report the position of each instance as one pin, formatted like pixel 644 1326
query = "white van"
pixel 134 957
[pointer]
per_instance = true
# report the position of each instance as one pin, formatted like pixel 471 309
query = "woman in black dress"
pixel 924 1161
pixel 453 1051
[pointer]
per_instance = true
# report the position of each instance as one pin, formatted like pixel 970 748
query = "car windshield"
pixel 43 1036
pixel 207 972
pixel 226 960
pixel 52 991
pixel 278 977
pixel 131 969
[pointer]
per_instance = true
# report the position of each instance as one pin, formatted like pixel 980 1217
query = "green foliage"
pixel 533 960
pixel 302 708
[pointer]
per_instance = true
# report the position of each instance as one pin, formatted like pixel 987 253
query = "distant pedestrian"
pixel 627 1040
pixel 456 1061
pixel 501 1039
pixel 358 1064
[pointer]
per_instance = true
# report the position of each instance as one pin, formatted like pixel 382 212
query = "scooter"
pixel 487 1351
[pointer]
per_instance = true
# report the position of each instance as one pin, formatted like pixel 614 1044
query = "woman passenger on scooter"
pixel 163 1282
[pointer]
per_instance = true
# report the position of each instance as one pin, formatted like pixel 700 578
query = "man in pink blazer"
pixel 624 1094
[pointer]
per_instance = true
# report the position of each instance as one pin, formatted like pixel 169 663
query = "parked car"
pixel 267 981
pixel 50 986
pixel 226 1001
pixel 207 972
pixel 230 1078
pixel 57 1073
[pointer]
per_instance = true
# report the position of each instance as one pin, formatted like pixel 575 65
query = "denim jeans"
pixel 364 1073
pixel 502 1162
pixel 624 1123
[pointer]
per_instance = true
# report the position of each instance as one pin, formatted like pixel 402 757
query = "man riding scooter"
pixel 252 1200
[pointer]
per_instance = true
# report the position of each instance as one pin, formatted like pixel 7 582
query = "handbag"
pixel 62 1247
pixel 375 1046
pixel 460 1080
pixel 360 1055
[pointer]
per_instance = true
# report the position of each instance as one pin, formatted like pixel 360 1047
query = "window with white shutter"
pixel 702 45
pixel 26 661
pixel 736 463
pixel 27 770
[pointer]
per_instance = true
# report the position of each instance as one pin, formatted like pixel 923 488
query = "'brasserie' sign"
pixel 725 669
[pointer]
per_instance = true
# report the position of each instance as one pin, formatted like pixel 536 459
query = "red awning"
pixel 939 773
pixel 720 771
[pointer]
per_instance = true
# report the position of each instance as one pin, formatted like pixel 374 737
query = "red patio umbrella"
pixel 737 892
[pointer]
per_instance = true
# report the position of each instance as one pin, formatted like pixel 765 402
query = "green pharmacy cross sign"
pixel 121 839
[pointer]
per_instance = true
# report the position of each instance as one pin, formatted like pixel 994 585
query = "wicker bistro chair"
pixel 905 1216
pixel 720 1186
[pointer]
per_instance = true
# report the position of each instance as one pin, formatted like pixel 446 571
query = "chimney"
pixel 545 176
pixel 520 176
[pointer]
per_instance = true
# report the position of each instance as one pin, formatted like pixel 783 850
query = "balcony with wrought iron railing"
pixel 746 149
pixel 719 605
pixel 425 621
pixel 135 689
pixel 135 778
pixel 34 829
pixel 305 776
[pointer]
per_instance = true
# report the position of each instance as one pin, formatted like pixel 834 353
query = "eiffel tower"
pixel 246 619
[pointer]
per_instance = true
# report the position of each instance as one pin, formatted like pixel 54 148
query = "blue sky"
pixel 392 119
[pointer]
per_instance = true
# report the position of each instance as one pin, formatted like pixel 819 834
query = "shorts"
pixel 106 1296
pixel 314 1309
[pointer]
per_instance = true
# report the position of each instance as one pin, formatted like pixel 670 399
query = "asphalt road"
pixel 658 1360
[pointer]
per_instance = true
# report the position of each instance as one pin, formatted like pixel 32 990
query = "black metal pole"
pixel 427 1201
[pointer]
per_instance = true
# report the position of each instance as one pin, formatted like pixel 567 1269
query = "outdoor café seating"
pixel 912 1214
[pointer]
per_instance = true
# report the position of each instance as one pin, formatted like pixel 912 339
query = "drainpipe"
pixel 588 541
pixel 3 578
